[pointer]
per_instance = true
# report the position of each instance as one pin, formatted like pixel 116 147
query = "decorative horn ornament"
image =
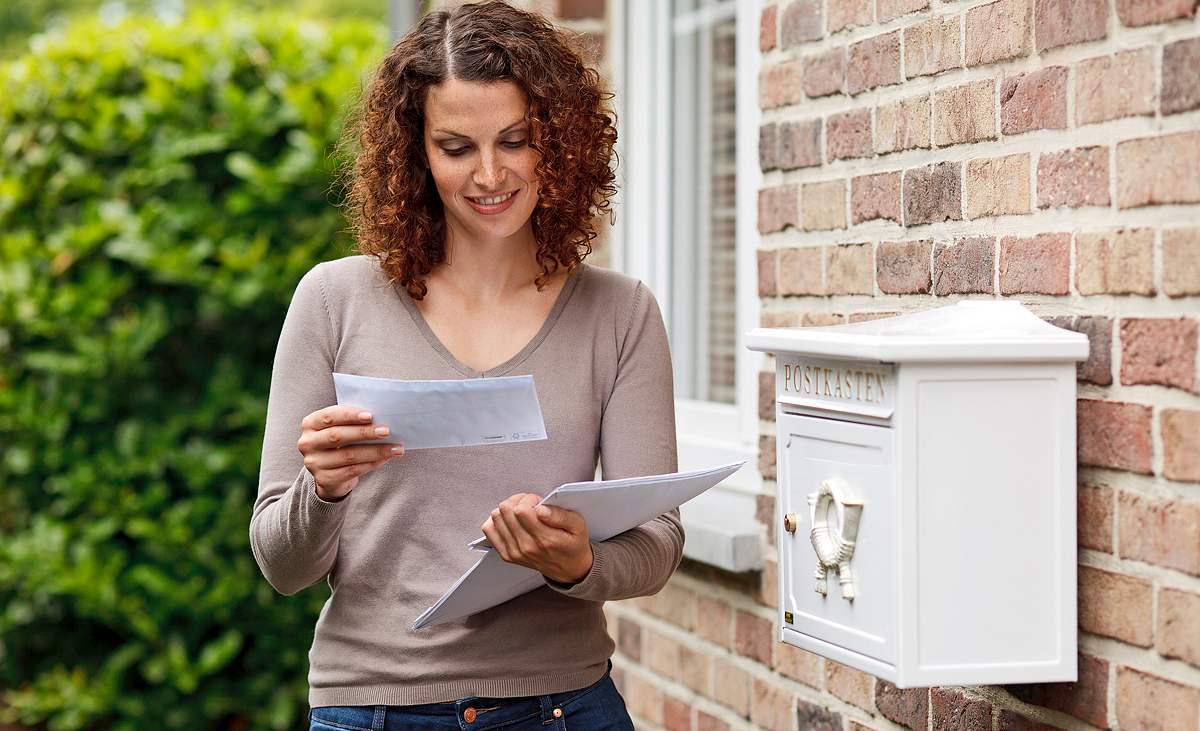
pixel 834 548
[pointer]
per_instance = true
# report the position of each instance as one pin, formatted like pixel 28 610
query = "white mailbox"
pixel 926 501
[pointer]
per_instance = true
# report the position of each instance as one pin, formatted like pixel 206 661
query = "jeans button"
pixel 469 715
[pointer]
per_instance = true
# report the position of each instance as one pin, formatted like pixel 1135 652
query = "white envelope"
pixel 610 507
pixel 447 413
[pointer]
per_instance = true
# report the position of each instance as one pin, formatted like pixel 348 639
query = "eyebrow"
pixel 460 134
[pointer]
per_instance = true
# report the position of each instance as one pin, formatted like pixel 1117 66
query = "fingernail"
pixel 365 415
pixel 381 431
pixel 397 451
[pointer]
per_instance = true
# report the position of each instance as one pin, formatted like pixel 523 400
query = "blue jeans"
pixel 598 707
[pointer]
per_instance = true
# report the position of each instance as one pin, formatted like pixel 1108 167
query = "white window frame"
pixel 721 526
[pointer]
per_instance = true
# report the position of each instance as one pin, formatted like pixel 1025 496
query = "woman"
pixel 485 150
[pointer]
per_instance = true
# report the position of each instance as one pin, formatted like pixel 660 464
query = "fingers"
pixel 335 415
pixel 561 518
pixel 332 459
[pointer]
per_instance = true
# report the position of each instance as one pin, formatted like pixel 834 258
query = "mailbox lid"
pixel 813 450
pixel 971 330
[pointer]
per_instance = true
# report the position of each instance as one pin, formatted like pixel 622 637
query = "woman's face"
pixel 477 145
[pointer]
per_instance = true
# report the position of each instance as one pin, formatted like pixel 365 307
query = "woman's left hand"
pixel 548 539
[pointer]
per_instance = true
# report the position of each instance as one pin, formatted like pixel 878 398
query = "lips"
pixel 492 204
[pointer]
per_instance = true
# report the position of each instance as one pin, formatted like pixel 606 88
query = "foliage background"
pixel 163 186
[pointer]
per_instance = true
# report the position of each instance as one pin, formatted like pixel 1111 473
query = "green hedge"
pixel 162 190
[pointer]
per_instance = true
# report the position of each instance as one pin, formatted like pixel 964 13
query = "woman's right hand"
pixel 335 467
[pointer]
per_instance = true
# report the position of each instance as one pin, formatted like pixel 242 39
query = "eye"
pixel 454 151
pixel 516 143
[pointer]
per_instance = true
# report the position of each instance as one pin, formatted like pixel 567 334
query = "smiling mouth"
pixel 491 200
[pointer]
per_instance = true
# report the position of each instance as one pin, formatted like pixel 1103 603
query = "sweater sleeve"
pixel 637 438
pixel 293 532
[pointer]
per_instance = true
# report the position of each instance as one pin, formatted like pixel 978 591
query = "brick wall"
pixel 917 152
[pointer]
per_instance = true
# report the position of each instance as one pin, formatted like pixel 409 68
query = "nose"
pixel 488 172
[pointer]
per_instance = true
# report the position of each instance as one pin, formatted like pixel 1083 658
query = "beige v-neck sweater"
pixel 602 369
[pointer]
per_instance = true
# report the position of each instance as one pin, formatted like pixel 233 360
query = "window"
pixel 686 74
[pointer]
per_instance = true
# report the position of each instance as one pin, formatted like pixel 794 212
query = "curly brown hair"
pixel 393 207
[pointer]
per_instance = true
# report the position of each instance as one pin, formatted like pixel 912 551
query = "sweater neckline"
pixel 559 303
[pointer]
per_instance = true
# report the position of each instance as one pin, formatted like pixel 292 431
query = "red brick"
pixel 849 269
pixel 1181 261
pixel 799 144
pixel 1010 721
pixel 800 665
pixel 824 205
pixel 1148 12
pixel 1095 517
pixel 1161 531
pixel 574 9
pixel 1178 632
pixel 1085 699
pixel 1114 434
pixel 766 456
pixel 889 9
pixel 903 125
pixel 813 717
pixel 849 135
pixel 768 146
pixel 825 73
pixel 801 21
pixel 874 62
pixel 754 637
pixel 847 14
pixel 714 621
pixel 1115 262
pixel 965 113
pixel 933 193
pixel 998 31
pixel 1034 100
pixel 629 638
pixel 768 28
pixel 1181 76
pixel 909 708
pixel 1064 22
pixel 875 196
pixel 1158 170
pixel 661 654
pixel 768 583
pixel 932 46
pixel 1115 605
pixel 1159 350
pixel 903 267
pixel 964 268
pixel 800 271
pixel 1181 444
pixel 766 411
pixel 676 715
pixel 868 316
pixel 1037 265
pixel 998 186
pixel 1073 178
pixel 780 84
pixel 1146 701
pixel 853 686
pixel 731 686
pixel 643 699
pixel 706 722
pixel 771 706
pixel 1098 366
pixel 769 318
pixel 955 710
pixel 1110 87
pixel 766 273
pixel 695 667
pixel 778 208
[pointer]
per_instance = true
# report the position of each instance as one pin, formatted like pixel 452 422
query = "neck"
pixel 488 270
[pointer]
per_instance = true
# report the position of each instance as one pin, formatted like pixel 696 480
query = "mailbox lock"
pixel 789 522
